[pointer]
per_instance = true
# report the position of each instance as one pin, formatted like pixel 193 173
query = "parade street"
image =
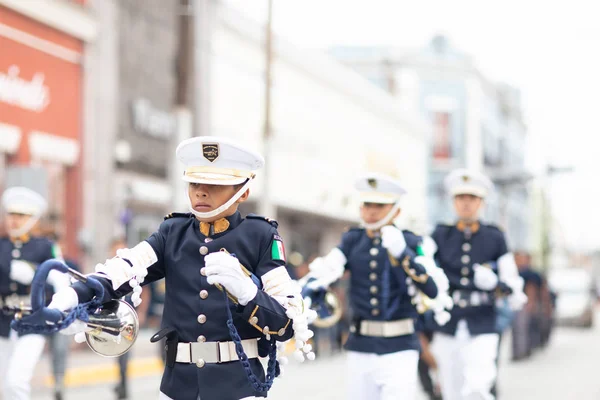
pixel 567 369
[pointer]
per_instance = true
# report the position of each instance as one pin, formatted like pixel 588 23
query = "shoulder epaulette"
pixel 412 240
pixel 493 226
pixel 352 229
pixel 266 219
pixel 444 226
pixel 177 215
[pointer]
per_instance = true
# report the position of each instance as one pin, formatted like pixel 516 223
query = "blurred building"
pixel 329 124
pixel 42 76
pixel 132 127
pixel 475 123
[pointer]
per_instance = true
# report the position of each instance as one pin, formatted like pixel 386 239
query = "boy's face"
pixel 467 206
pixel 374 212
pixel 205 198
pixel 13 221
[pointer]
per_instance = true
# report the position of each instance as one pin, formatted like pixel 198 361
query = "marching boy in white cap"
pixel 20 254
pixel 479 267
pixel 213 339
pixel 387 277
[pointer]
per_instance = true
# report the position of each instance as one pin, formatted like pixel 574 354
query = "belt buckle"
pixel 207 351
pixel 15 300
pixel 475 299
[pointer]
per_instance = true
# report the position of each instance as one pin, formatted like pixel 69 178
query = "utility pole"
pixel 182 109
pixel 547 218
pixel 267 208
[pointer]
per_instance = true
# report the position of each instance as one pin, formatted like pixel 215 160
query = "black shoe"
pixel 121 391
pixel 58 395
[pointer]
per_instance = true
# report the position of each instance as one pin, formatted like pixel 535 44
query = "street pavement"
pixel 567 369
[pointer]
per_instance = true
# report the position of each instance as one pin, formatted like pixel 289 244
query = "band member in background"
pixel 20 254
pixel 477 262
pixel 386 279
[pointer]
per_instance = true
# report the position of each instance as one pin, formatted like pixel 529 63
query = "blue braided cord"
pixel 81 312
pixel 272 365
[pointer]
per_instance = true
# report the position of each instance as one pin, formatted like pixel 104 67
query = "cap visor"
pixel 469 189
pixel 377 198
pixel 214 179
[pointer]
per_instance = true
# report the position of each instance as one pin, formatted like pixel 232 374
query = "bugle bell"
pixel 115 327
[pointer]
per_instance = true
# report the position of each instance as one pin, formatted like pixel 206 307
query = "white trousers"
pixel 391 376
pixel 466 364
pixel 163 396
pixel 18 358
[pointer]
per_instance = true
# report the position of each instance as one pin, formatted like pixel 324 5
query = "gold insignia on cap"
pixel 372 182
pixel 466 178
pixel 210 151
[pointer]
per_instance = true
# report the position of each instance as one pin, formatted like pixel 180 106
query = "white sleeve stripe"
pixel 336 258
pixel 145 253
pixel 429 246
pixel 507 269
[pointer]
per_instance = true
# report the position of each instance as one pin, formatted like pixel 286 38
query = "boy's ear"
pixel 244 197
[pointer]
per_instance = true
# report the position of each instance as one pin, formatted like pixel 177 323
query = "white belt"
pixel 399 327
pixel 213 352
pixel 15 300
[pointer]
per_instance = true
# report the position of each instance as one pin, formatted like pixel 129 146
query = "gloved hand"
pixel 117 270
pixel 21 271
pixel 64 300
pixel 441 317
pixel 326 270
pixel 517 300
pixel 225 270
pixel 485 278
pixel 392 239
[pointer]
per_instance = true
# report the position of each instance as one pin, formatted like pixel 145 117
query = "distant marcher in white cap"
pixel 213 339
pixel 387 277
pixel 480 268
pixel 20 254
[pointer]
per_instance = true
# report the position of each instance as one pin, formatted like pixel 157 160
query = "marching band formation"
pixel 229 300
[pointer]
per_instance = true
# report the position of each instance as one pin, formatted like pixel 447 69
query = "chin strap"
pixel 382 222
pixel 26 226
pixel 222 208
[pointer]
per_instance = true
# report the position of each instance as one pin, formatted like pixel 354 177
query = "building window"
pixel 441 136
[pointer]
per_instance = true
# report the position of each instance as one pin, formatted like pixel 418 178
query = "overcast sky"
pixel 548 49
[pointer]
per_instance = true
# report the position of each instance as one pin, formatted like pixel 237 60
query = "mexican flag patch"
pixel 277 249
pixel 56 253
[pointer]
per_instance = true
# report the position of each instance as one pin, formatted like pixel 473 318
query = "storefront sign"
pixel 29 94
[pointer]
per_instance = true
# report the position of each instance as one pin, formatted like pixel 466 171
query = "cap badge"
pixel 372 182
pixel 210 151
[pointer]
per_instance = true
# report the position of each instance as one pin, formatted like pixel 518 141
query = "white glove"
pixel 77 328
pixel 392 239
pixel 65 299
pixel 58 280
pixel 517 300
pixel 225 270
pixel 117 270
pixel 441 317
pixel 485 278
pixel 21 271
